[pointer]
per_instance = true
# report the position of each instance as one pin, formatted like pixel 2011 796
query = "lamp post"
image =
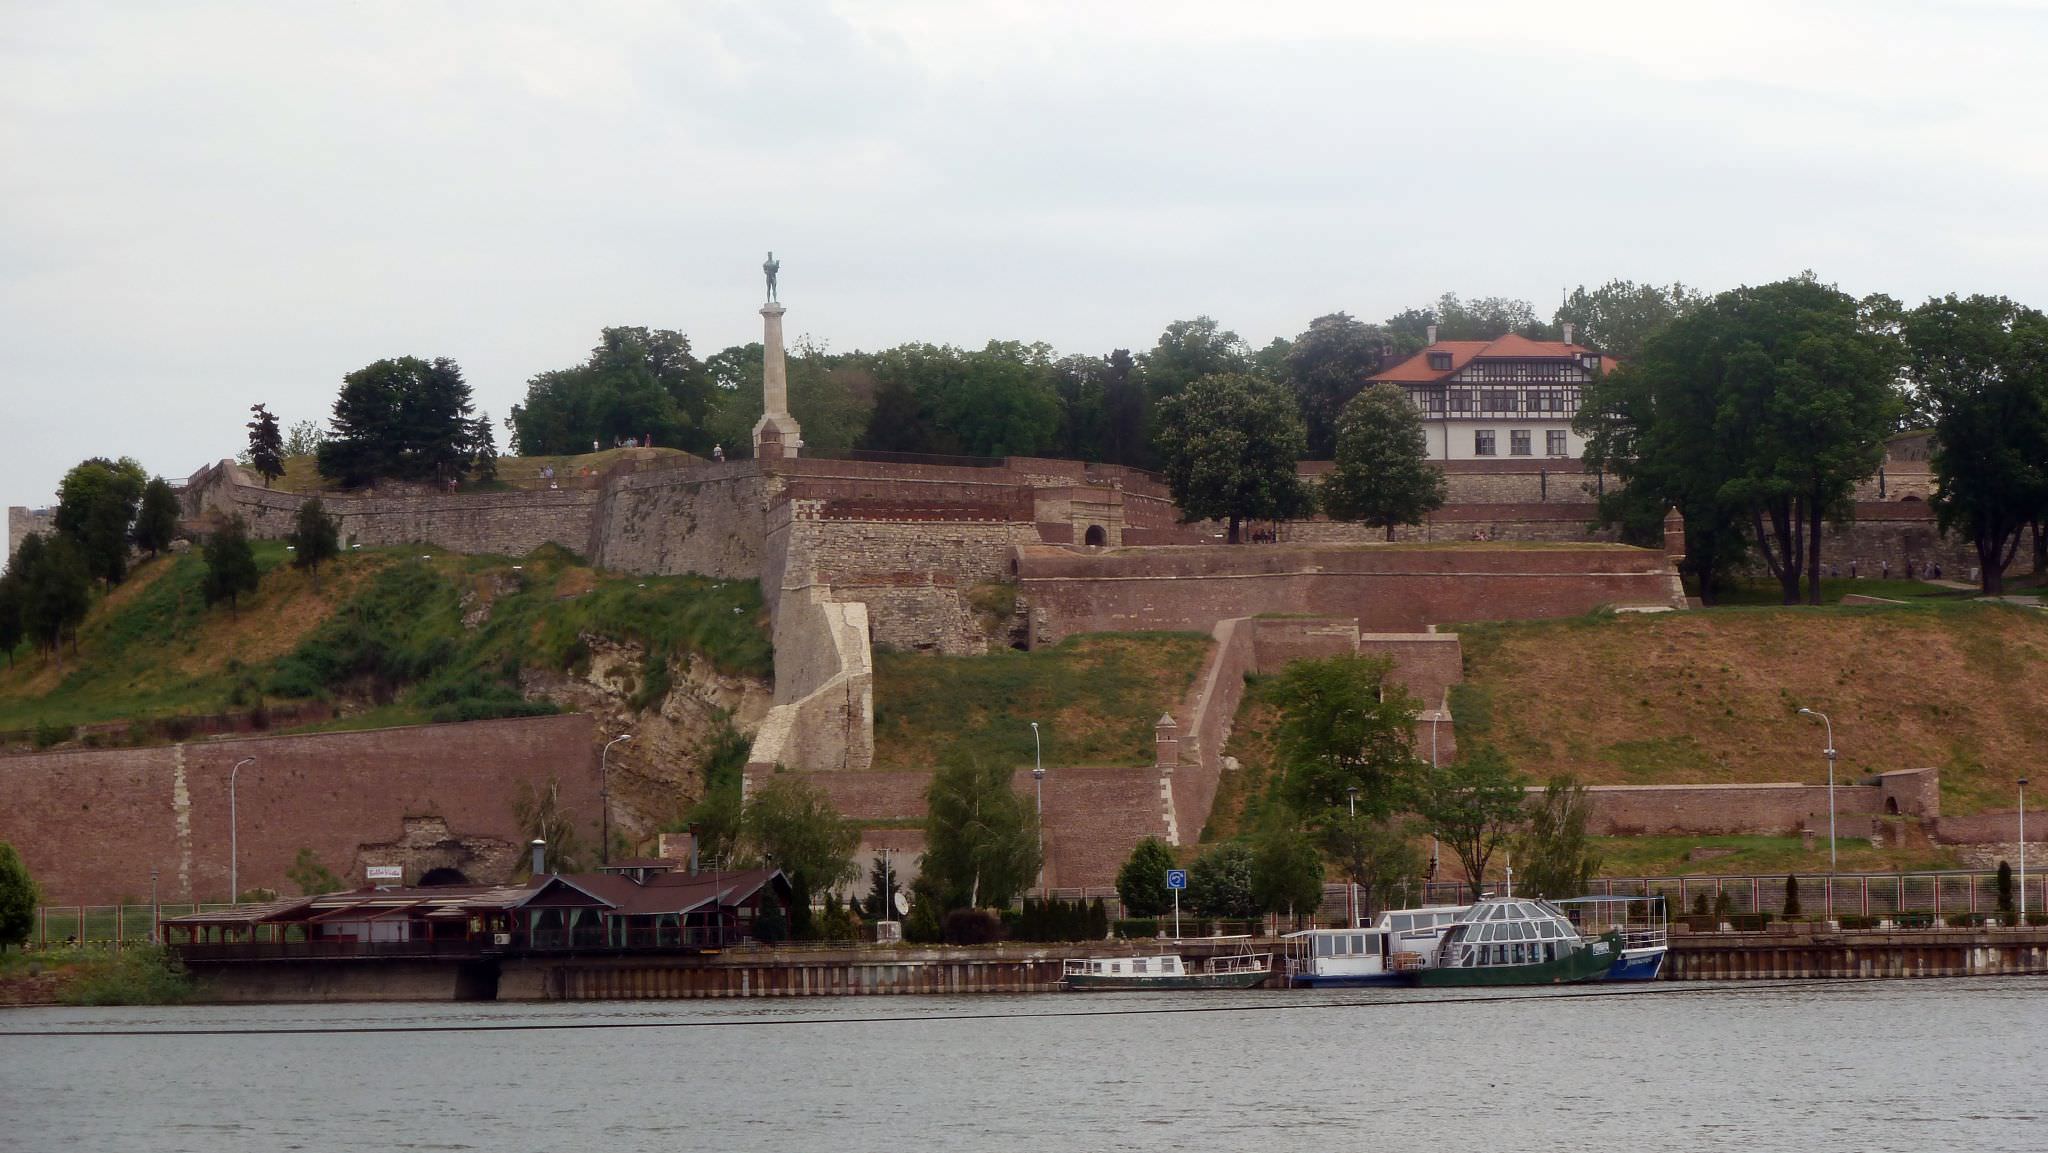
pixel 1038 784
pixel 234 831
pixel 888 910
pixel 156 913
pixel 1351 803
pixel 1829 753
pixel 2023 851
pixel 604 768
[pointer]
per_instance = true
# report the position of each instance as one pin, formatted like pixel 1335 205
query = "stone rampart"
pixel 709 520
pixel 1400 589
pixel 824 713
pixel 1760 809
pixel 20 523
pixel 91 824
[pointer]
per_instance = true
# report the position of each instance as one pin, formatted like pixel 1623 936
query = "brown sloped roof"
pixel 1513 346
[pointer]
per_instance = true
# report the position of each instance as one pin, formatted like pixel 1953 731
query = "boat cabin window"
pixel 1138 966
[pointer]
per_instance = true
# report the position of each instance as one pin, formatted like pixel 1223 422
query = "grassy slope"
pixel 153 648
pixel 1713 696
pixel 1094 697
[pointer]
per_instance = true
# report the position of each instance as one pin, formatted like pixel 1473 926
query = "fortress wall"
pixel 1729 810
pixel 1898 531
pixel 510 523
pixel 1386 590
pixel 1528 480
pixel 824 713
pixel 92 823
pixel 23 521
pixel 709 520
pixel 1206 720
pixel 1463 522
pixel 1094 816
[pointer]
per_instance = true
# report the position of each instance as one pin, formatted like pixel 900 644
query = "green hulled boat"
pixel 1505 941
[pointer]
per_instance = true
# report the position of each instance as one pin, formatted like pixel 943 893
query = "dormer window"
pixel 1439 362
pixel 1591 360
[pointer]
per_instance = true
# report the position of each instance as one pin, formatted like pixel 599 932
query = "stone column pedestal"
pixel 776 434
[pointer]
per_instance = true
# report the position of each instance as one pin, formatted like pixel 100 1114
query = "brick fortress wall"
pixel 91 824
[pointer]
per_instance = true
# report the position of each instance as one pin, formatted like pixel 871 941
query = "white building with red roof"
pixel 1499 399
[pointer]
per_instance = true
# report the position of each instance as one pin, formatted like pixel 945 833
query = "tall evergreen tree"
pixel 230 565
pixel 57 591
pixel 13 603
pixel 1383 475
pixel 406 419
pixel 266 444
pixel 156 523
pixel 483 449
pixel 18 898
pixel 315 538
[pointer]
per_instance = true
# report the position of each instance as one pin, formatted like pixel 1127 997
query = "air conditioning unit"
pixel 501 938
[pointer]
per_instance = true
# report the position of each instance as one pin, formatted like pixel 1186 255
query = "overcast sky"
pixel 207 205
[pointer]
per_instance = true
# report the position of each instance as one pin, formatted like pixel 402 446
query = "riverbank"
pixel 1783 951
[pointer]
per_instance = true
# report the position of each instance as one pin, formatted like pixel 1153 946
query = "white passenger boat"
pixel 1400 942
pixel 1643 923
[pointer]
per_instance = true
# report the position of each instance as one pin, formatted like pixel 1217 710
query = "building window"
pixel 1518 442
pixel 1556 445
pixel 1439 361
pixel 1482 442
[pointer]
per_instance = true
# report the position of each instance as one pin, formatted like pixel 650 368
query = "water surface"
pixel 1844 1066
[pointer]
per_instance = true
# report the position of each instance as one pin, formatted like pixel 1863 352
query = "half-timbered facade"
pixel 1499 399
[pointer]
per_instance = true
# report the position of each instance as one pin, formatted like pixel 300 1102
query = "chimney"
pixel 540 857
pixel 1569 328
pixel 1432 334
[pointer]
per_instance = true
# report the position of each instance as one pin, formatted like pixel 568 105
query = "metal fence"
pixel 104 926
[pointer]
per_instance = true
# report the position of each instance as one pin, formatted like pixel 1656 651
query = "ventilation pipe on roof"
pixel 540 856
pixel 1432 333
pixel 1569 328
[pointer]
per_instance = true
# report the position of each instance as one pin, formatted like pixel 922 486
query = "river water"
pixel 1849 1066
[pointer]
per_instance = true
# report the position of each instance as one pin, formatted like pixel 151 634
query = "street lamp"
pixel 2023 851
pixel 1351 801
pixel 156 914
pixel 1038 783
pixel 604 852
pixel 1829 753
pixel 234 830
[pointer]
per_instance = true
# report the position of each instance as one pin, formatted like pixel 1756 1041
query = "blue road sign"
pixel 1176 878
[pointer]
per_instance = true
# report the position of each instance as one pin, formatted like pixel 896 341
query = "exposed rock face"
pixel 427 845
pixel 658 775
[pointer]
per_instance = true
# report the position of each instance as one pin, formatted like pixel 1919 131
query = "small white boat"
pixel 1643 923
pixel 1166 971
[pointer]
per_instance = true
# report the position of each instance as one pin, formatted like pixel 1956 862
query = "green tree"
pixel 1231 444
pixel 1481 318
pixel 1141 882
pixel 315 538
pixel 885 881
pixel 303 438
pixel 1556 854
pixel 56 591
pixel 1620 315
pixel 1980 365
pixel 1287 871
pixel 1472 805
pixel 156 522
pixel 1327 365
pixel 1344 725
pixel 96 505
pixel 637 382
pixel 18 898
pixel 230 565
pixel 13 598
pixel 1383 475
pixel 1191 349
pixel 714 824
pixel 1377 855
pixel 266 444
pixel 792 824
pixel 404 418
pixel 981 836
pixel 1761 408
pixel 483 449
pixel 1220 882
pixel 2005 887
pixel 1791 895
pixel 311 876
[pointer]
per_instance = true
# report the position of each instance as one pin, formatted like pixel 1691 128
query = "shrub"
pixel 1791 895
pixel 132 976
pixel 1137 927
pixel 53 734
pixel 972 927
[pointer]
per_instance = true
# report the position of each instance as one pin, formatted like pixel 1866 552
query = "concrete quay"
pixel 1792 952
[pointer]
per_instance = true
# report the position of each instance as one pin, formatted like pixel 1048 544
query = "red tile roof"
pixel 1513 346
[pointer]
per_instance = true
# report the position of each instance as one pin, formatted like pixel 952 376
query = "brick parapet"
pixel 91 824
